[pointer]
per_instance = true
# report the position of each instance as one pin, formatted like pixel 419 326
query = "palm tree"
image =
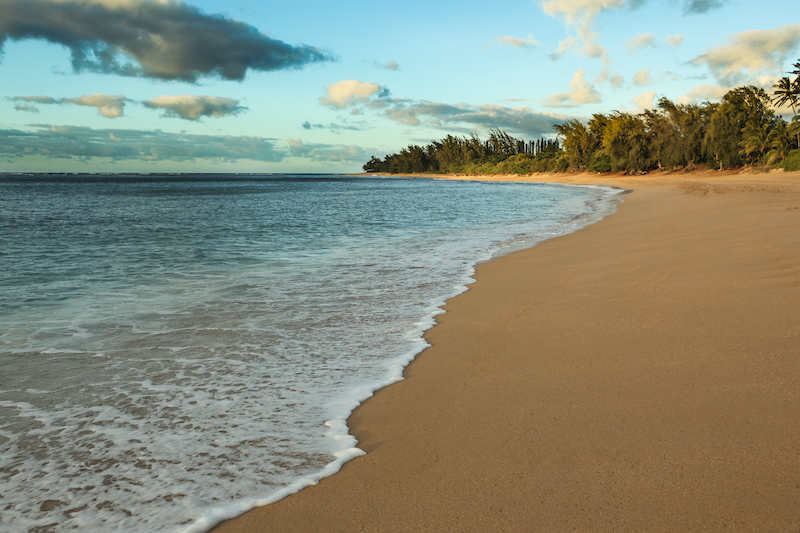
pixel 755 140
pixel 780 142
pixel 787 91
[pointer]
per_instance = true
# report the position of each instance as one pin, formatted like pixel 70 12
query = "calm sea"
pixel 176 350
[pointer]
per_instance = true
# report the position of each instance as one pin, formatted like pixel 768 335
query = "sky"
pixel 256 86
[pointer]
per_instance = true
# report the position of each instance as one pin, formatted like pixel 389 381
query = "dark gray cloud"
pixel 192 107
pixel 151 39
pixel 701 6
pixel 35 99
pixel 73 142
pixel 335 128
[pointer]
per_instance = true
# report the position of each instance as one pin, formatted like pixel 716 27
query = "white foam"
pixel 204 408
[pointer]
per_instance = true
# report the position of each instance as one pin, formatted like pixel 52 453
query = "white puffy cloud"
pixel 347 93
pixel 644 40
pixel 613 78
pixel 642 77
pixel 192 107
pixel 703 93
pixel 580 15
pixel 751 53
pixel 108 105
pixel 518 42
pixel 645 100
pixel 675 40
pixel 580 92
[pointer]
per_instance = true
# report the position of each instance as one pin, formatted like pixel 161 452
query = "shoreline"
pixel 514 419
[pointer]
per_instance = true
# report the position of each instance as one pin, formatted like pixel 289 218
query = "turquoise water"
pixel 175 350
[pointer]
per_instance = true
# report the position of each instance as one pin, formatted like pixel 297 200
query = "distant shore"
pixel 641 374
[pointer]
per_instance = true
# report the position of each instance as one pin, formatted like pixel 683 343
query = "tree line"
pixel 741 129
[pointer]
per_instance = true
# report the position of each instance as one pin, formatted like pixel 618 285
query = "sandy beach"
pixel 641 374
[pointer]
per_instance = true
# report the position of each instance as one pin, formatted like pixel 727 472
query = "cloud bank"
pixel 326 152
pixel 73 142
pixel 750 53
pixel 161 39
pixel 359 96
pixel 191 107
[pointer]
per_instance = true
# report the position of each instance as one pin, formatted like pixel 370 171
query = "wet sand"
pixel 641 374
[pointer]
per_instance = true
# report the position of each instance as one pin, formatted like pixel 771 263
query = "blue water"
pixel 175 350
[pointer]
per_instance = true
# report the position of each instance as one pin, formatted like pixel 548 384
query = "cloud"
pixel 191 107
pixel 613 78
pixel 642 77
pixel 518 43
pixel 335 128
pixel 752 52
pixel 701 6
pixel 645 100
pixel 347 93
pixel 326 152
pixel 373 97
pixel 644 40
pixel 108 105
pixel 68 142
pixel 703 93
pixel 580 92
pixel 675 40
pixel 580 15
pixel 161 39
pixel 391 65
pixel 35 99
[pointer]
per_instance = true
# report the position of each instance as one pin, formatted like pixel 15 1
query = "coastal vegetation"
pixel 742 129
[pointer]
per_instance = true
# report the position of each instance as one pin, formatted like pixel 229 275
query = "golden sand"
pixel 641 374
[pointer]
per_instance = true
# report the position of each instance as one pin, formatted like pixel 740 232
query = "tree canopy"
pixel 742 129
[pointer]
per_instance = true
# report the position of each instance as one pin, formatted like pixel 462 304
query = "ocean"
pixel 175 350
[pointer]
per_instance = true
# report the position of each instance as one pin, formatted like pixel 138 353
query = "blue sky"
pixel 308 86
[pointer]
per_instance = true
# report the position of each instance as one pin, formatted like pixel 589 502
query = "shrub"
pixel 599 163
pixel 791 163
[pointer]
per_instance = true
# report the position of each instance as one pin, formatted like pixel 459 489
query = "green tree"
pixel 625 141
pixel 787 91
pixel 756 140
pixel 579 143
pixel 781 139
pixel 739 107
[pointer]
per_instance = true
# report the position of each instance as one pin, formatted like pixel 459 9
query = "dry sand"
pixel 642 374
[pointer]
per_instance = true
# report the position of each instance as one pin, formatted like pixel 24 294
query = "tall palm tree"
pixel 780 142
pixel 787 91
